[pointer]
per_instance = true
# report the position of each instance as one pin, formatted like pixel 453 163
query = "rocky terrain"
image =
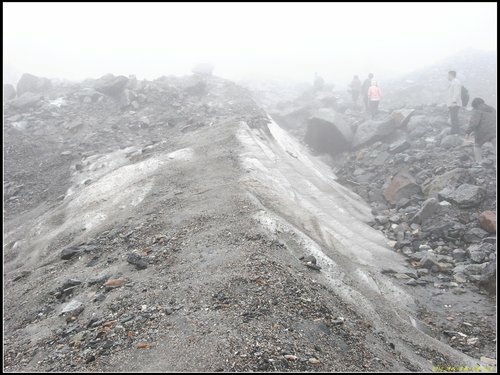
pixel 172 225
pixel 435 204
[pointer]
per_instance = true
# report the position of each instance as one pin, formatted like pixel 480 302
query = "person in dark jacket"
pixel 366 86
pixel 483 125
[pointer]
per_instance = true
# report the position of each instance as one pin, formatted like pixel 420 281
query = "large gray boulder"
pixel 292 118
pixel 435 185
pixel 26 100
pixel 33 84
pixel 429 209
pixel 466 196
pixel 328 132
pixel 373 130
pixel 111 85
pixel 9 92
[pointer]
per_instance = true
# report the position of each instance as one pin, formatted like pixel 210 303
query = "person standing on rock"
pixel 355 86
pixel 374 96
pixel 366 86
pixel 454 100
pixel 483 125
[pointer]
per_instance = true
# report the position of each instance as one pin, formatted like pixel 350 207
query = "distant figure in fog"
pixel 374 96
pixel 355 89
pixel 454 100
pixel 366 86
pixel 483 125
pixel 319 83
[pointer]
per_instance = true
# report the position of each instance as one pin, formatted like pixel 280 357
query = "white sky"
pixel 243 40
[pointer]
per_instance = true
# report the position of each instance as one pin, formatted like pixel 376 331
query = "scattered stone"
pixel 488 221
pixel 475 235
pixel 422 272
pixel 466 196
pixel 98 279
pixel 290 357
pixel 429 209
pixel 114 283
pixel 402 185
pixel 74 307
pixel 313 266
pixel 143 345
pixel 438 183
pixel 69 252
pixel 309 258
pixel 429 261
pixel 99 297
pixel 21 275
pixel 488 279
pixel 476 253
pixel 314 361
pixel 399 146
pixel 459 255
pixel 338 321
pixel 381 219
pixel 137 261
pixel 70 283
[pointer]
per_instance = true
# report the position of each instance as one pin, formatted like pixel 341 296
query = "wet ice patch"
pixel 303 190
pixel 184 154
pixel 57 102
pixel 116 188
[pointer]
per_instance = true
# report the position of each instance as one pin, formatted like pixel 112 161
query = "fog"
pixel 243 40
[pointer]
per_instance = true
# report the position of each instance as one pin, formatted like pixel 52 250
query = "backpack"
pixel 465 96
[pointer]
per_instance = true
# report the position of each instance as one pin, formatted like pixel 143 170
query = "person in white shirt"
pixel 454 100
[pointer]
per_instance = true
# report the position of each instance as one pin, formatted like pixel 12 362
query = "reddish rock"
pixel 488 221
pixel 114 283
pixel 402 185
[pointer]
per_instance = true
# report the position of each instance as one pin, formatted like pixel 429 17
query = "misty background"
pixel 245 41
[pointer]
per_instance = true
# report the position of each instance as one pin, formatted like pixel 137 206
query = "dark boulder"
pixel 111 85
pixel 328 132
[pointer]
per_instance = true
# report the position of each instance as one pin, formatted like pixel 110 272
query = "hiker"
pixel 366 85
pixel 482 124
pixel 355 89
pixel 374 96
pixel 319 82
pixel 454 100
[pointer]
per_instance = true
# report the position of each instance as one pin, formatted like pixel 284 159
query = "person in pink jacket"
pixel 374 96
